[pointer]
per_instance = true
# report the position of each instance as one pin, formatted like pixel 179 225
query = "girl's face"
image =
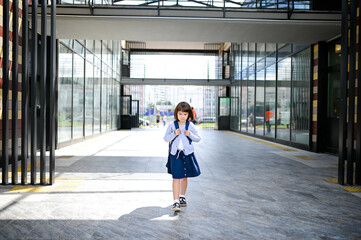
pixel 182 116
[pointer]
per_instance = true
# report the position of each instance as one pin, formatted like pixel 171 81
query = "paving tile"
pixel 247 190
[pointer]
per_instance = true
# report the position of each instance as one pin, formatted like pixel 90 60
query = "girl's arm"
pixel 169 134
pixel 194 133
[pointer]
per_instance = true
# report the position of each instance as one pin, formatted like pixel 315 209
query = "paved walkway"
pixel 115 187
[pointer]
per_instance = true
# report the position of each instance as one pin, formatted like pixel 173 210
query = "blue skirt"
pixel 183 166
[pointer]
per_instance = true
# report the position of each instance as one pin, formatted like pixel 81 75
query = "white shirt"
pixel 180 145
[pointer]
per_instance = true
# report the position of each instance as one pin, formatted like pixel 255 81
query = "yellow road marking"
pixel 306 158
pixel 352 189
pixel 331 180
pixel 264 142
pixel 61 185
pixel 65 156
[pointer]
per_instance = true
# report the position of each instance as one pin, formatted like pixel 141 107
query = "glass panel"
pixel 108 96
pixel 78 97
pixel 176 65
pixel 284 51
pixel 115 105
pixel 235 108
pixel 126 105
pixel 284 98
pixel 224 106
pixel 78 48
pixel 244 107
pixel 259 111
pixel 89 99
pixel 270 109
pixel 301 97
pixel 104 102
pixel 250 107
pixel 97 91
pixel 65 93
pixel 79 1
pixel 90 45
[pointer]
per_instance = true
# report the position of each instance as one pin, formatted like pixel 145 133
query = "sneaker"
pixel 182 201
pixel 176 207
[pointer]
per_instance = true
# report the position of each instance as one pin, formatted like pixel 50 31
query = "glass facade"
pixel 270 92
pixel 88 88
pixel 173 65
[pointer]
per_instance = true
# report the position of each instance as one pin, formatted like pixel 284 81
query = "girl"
pixel 182 163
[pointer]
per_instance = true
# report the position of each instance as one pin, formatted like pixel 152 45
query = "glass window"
pixel 300 97
pixel 104 102
pixel 90 45
pixel 250 107
pixel 78 48
pixel 176 65
pixel 97 94
pixel 224 105
pixel 284 51
pixel 115 104
pixel 65 93
pixel 284 99
pixel 89 99
pixel 78 96
pixel 270 108
pixel 270 96
pixel 97 52
pixel 259 110
pixel 235 108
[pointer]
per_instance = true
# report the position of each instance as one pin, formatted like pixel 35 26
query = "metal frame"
pixel 5 97
pixel 15 83
pixel 351 97
pixel 42 119
pixel 343 94
pixel 358 132
pixel 25 95
pixel 52 79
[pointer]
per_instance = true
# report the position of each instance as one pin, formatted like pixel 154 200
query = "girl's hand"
pixel 177 132
pixel 187 132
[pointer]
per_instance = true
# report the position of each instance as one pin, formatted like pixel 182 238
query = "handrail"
pixel 288 5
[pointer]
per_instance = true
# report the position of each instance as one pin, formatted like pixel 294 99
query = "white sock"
pixel 176 201
pixel 180 195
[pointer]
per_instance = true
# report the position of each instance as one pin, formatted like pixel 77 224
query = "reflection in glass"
pixel 270 98
pixel 65 93
pixel 284 99
pixel 97 91
pixel 300 97
pixel 89 96
pixel 235 108
pixel 78 96
pixel 224 104
pixel 104 101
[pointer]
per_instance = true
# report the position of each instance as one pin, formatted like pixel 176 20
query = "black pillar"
pixel 15 82
pixel 34 75
pixel 343 94
pixel 5 99
pixel 52 84
pixel 25 95
pixel 42 119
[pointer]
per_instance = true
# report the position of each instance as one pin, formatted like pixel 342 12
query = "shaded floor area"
pixel 115 186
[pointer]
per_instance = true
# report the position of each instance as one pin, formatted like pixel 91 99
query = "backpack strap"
pixel 176 127
pixel 176 124
pixel 187 126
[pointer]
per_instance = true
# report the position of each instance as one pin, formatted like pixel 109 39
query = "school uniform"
pixel 182 162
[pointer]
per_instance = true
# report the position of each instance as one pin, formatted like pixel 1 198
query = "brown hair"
pixel 183 107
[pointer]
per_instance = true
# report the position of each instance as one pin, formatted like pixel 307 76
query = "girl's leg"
pixel 176 188
pixel 184 184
